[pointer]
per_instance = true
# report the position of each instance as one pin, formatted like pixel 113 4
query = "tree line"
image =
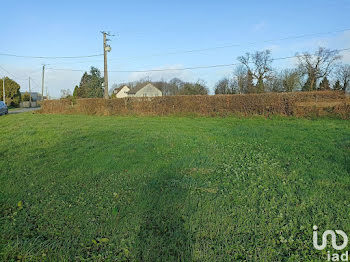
pixel 172 87
pixel 255 74
pixel 91 85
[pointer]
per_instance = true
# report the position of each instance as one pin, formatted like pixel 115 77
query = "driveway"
pixel 23 110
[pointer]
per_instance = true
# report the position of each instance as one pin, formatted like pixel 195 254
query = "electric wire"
pixel 184 68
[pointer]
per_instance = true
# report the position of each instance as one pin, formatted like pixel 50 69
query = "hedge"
pixel 299 104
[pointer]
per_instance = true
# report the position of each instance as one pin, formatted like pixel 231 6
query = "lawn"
pixel 77 187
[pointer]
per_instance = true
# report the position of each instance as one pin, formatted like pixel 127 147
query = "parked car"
pixel 3 108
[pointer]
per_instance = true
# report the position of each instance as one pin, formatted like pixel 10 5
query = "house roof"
pixel 117 90
pixel 138 88
pixel 134 90
pixel 31 93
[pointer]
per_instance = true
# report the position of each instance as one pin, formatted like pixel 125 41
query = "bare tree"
pixel 240 75
pixel 198 88
pixel 290 79
pixel 224 86
pixel 175 85
pixel 65 93
pixel 274 83
pixel 317 65
pixel 343 75
pixel 259 64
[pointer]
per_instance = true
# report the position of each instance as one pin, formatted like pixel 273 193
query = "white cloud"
pixel 336 41
pixel 165 75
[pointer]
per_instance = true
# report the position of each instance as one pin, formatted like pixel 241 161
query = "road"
pixel 23 110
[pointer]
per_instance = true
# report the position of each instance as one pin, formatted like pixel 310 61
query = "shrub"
pixel 300 104
pixel 26 97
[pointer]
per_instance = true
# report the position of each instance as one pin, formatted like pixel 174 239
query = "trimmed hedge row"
pixel 300 104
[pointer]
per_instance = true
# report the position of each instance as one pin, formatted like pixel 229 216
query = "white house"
pixel 121 92
pixel 148 90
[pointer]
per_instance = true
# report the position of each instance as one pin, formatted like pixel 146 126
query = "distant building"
pixel 35 96
pixel 121 92
pixel 148 90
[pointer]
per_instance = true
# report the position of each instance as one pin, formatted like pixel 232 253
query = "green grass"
pixel 170 188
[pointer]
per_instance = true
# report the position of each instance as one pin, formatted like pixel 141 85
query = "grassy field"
pixel 169 188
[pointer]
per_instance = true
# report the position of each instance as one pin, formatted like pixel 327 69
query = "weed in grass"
pixel 91 188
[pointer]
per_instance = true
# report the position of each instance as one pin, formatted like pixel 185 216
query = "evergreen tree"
pixel 307 86
pixel 75 92
pixel 250 87
pixel 337 85
pixel 197 88
pixel 260 87
pixel 324 85
pixel 90 84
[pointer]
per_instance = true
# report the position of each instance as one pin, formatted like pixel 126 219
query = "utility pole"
pixel 3 90
pixel 42 83
pixel 106 48
pixel 30 94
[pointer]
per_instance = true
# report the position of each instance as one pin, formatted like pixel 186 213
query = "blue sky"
pixel 145 28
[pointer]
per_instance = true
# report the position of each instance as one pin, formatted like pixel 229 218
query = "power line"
pixel 184 68
pixel 18 78
pixel 221 47
pixel 35 82
pixel 78 62
pixel 242 44
pixel 49 57
pixel 183 51
pixel 35 71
